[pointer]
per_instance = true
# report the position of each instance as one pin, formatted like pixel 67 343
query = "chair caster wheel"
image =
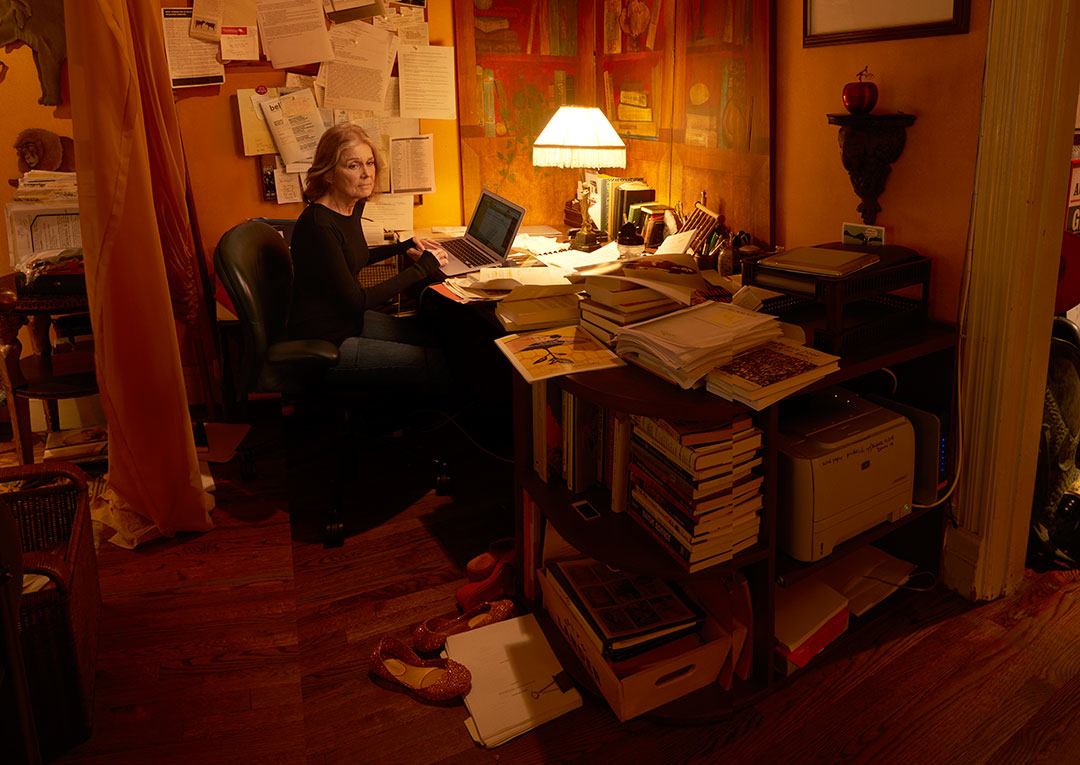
pixel 334 534
pixel 247 466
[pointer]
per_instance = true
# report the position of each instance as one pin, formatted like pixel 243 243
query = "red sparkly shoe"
pixel 498 584
pixel 431 635
pixel 480 567
pixel 431 679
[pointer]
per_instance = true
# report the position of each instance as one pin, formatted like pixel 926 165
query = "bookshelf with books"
pixel 698 422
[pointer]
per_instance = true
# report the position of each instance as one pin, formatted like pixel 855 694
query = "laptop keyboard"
pixel 466 254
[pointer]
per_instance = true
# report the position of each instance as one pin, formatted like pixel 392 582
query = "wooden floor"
pixel 250 643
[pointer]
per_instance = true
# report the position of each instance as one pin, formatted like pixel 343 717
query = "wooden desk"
pixel 33 377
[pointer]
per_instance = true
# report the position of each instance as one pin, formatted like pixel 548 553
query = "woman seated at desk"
pixel 328 251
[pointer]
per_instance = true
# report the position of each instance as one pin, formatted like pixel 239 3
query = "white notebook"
pixel 820 261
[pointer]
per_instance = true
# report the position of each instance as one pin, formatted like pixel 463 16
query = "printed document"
pixel 388 212
pixel 206 18
pixel 296 126
pixel 514 686
pixel 192 63
pixel 239 31
pixel 412 164
pixel 426 78
pixel 358 75
pixel 294 32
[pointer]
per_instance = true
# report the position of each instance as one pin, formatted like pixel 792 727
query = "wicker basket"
pixel 58 625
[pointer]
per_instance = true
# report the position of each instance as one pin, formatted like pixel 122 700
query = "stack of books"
pixel 623 615
pixel 614 303
pixel 700 500
pixel 764 375
pixel 683 346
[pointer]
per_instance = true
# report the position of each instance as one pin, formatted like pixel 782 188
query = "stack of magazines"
pixel 764 375
pixel 682 347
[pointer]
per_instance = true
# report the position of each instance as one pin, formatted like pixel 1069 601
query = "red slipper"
pixel 480 567
pixel 499 584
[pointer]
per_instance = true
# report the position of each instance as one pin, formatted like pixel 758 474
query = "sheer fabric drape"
pixel 138 249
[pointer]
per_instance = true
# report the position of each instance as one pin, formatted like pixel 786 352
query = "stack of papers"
pixel 512 284
pixel 683 346
pixel 762 376
pixel 45 186
pixel 517 683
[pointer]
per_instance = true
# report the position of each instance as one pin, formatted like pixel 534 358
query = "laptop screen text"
pixel 493 224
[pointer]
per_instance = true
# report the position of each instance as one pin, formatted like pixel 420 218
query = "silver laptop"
pixel 487 241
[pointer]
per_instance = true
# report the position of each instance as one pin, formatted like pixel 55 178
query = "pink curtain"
pixel 135 232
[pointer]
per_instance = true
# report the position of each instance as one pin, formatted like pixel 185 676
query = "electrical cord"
pixel 905 585
pixel 449 419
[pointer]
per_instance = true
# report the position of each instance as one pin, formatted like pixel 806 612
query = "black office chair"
pixel 255 266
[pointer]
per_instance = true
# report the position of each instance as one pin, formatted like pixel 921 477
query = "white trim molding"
pixel 1029 94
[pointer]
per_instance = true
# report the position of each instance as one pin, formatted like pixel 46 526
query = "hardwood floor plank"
pixel 250 643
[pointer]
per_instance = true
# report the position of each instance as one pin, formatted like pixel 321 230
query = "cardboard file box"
pixel 650 688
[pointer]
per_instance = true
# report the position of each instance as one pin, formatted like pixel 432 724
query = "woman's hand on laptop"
pixel 431 246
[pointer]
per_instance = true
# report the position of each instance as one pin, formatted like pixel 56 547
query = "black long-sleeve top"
pixel 328 251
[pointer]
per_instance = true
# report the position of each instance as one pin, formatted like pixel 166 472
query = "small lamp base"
pixel 587 241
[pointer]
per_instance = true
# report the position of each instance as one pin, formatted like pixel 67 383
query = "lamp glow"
pixel 580 136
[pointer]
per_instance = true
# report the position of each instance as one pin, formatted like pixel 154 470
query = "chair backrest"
pixel 255 267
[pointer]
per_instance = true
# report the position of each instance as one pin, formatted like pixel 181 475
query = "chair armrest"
pixel 52 566
pixel 320 353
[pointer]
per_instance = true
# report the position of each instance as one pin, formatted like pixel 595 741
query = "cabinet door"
pixel 517 62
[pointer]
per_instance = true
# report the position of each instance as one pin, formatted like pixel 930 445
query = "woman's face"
pixel 354 175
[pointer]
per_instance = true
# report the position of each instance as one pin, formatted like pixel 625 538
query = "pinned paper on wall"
pixel 426 79
pixel 412 164
pixel 192 63
pixel 294 32
pixel 239 31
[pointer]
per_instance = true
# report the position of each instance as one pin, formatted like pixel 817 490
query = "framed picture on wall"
pixel 836 22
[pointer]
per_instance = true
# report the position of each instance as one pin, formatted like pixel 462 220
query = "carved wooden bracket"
pixel 869 144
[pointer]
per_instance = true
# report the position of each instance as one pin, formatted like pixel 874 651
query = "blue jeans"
pixel 392 355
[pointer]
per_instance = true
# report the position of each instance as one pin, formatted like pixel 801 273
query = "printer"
pixel 845 465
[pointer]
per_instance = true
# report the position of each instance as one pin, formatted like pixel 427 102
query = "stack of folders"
pixel 702 501
pixel 614 303
pixel 517 682
pixel 813 612
pixel 626 616
pixel 683 346
pixel 764 375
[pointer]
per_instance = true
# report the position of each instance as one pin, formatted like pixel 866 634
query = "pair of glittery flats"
pixel 433 679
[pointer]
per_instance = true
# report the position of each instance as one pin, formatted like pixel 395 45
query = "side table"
pixel 33 377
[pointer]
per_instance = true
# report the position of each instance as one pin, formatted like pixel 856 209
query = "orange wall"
pixel 927 198
pixel 19 92
pixel 225 183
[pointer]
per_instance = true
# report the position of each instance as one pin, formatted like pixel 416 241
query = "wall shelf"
pixel 869 144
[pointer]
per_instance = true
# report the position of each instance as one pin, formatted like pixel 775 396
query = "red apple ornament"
pixel 860 97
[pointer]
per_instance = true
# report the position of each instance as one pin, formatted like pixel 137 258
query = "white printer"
pixel 845 465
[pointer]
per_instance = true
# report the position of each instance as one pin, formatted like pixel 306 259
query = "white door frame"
pixel 1030 86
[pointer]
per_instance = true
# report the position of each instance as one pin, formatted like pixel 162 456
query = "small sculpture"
pixel 39 24
pixel 40 149
pixel 634 19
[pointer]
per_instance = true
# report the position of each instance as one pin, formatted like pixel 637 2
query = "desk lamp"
pixel 580 136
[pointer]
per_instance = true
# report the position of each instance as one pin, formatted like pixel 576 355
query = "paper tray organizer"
pixel 650 688
pixel 857 308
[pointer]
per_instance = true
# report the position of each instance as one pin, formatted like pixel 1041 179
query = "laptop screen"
pixel 494 223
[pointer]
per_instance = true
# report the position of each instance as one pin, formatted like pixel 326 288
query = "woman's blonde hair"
pixel 328 153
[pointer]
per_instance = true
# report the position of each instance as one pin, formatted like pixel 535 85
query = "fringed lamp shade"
pixel 579 136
